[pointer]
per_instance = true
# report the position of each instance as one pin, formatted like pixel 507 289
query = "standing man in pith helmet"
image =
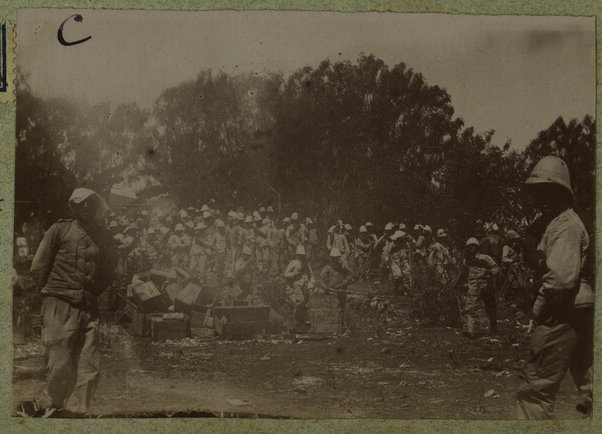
pixel 555 248
pixel 72 266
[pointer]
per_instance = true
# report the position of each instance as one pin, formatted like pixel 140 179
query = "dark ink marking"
pixel 3 77
pixel 78 18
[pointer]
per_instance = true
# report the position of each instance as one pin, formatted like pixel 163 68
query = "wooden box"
pixel 169 329
pixel 150 298
pixel 326 320
pixel 245 322
pixel 189 294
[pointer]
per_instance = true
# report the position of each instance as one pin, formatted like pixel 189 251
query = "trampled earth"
pixel 384 366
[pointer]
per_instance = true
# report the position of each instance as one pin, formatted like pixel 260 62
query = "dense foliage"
pixel 344 140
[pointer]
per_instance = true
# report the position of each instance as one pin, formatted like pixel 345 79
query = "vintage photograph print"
pixel 303 215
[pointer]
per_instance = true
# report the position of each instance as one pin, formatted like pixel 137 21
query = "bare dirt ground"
pixel 386 366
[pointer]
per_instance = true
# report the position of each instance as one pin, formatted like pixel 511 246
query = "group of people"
pixel 79 257
pixel 238 247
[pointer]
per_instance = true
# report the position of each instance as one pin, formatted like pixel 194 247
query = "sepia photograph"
pixel 303 215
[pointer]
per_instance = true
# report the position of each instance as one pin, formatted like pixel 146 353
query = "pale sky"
pixel 515 75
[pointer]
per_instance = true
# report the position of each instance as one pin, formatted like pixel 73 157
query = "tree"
pixel 479 181
pixel 198 131
pixel 99 143
pixel 359 140
pixel 42 180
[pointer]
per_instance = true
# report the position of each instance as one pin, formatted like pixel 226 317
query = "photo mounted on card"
pixel 303 215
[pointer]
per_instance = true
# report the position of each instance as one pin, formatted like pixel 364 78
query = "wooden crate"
pixel 326 320
pixel 206 295
pixel 150 299
pixel 159 277
pixel 245 322
pixel 189 294
pixel 183 274
pixel 197 315
pixel 202 332
pixel 139 323
pixel 172 329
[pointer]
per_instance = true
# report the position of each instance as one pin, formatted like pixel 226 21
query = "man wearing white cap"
pixel 336 277
pixel 440 259
pixel 340 242
pixel 385 243
pixel 400 266
pixel 313 242
pixel 200 250
pixel 481 268
pixel 513 267
pixel 262 248
pixel 235 239
pixel 73 265
pixel 362 248
pixel 248 234
pixel 420 244
pixel 300 281
pixel 183 250
pixel 280 245
pixel 295 234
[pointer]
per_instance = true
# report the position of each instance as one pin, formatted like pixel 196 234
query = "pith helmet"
pixel 472 242
pixel 80 195
pixel 551 170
